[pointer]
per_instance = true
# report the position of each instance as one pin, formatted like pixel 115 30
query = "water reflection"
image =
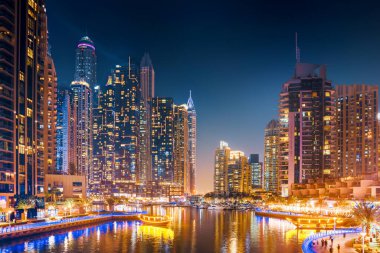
pixel 192 230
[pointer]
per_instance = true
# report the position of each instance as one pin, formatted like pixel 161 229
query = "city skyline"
pixel 247 55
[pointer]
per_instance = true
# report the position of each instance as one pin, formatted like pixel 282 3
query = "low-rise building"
pixel 69 186
pixel 364 187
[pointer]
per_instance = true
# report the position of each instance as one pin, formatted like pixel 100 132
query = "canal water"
pixel 192 230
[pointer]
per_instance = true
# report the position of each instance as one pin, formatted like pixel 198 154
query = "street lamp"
pixel 362 234
pixel 334 223
pixel 9 219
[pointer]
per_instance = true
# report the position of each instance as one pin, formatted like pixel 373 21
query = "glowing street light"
pixel 334 223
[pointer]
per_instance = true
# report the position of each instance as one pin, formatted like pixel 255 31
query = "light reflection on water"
pixel 192 230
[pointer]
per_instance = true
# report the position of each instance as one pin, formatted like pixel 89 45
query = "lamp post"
pixel 334 223
pixel 9 219
pixel 362 234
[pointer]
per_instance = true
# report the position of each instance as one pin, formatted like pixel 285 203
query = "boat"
pixel 202 206
pixel 215 207
pixel 155 220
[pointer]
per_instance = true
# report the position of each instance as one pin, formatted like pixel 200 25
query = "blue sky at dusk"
pixel 233 55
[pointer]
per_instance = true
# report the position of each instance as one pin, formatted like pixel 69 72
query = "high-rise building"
pixel 181 150
pixel 356 130
pixel 271 149
pixel 192 121
pixel 147 84
pixel 64 132
pixel 116 133
pixel 232 173
pixel 23 39
pixel 162 140
pixel 85 62
pixel 256 170
pixel 306 116
pixel 82 107
pixel 50 115
pixel 222 155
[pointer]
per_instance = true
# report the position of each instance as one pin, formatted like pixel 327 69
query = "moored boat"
pixel 155 220
pixel 215 207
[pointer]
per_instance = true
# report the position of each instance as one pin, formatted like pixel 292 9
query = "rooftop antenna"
pixel 298 56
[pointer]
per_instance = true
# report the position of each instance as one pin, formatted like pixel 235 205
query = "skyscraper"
pixel 85 62
pixel 356 130
pixel 232 173
pixel 82 106
pixel 271 151
pixel 192 121
pixel 256 170
pixel 24 49
pixel 147 79
pixel 222 155
pixel 50 115
pixel 116 133
pixel 181 150
pixel 63 132
pixel 306 116
pixel 162 140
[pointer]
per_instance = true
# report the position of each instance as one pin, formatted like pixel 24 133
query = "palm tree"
pixel 25 204
pixel 70 203
pixel 110 202
pixel 86 203
pixel 366 213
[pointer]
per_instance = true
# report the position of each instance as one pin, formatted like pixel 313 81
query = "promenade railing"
pixel 307 245
pixel 23 227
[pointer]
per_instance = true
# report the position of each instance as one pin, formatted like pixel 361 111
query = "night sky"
pixel 233 55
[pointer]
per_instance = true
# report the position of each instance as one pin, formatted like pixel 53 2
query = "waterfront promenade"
pixel 16 231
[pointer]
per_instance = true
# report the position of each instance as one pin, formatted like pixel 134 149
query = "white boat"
pixel 202 206
pixel 215 207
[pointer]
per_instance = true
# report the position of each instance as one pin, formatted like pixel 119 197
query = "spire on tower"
pixel 190 103
pixel 298 55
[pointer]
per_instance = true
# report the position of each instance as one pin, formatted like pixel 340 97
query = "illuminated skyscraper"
pixel 147 79
pixel 85 62
pixel 192 121
pixel 306 116
pixel 63 132
pixel 82 106
pixel 162 140
pixel 181 150
pixel 257 171
pixel 222 155
pixel 356 130
pixel 232 173
pixel 23 39
pixel 116 133
pixel 50 115
pixel 271 165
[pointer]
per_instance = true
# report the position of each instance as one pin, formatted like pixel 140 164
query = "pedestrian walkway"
pixel 345 244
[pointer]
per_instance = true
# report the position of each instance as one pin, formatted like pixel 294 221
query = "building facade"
pixel 63 132
pixel 85 62
pixel 232 173
pixel 306 117
pixel 162 140
pixel 116 133
pixel 181 177
pixel 356 130
pixel 50 115
pixel 271 151
pixel 192 121
pixel 82 104
pixel 257 171
pixel 27 97
pixel 147 83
